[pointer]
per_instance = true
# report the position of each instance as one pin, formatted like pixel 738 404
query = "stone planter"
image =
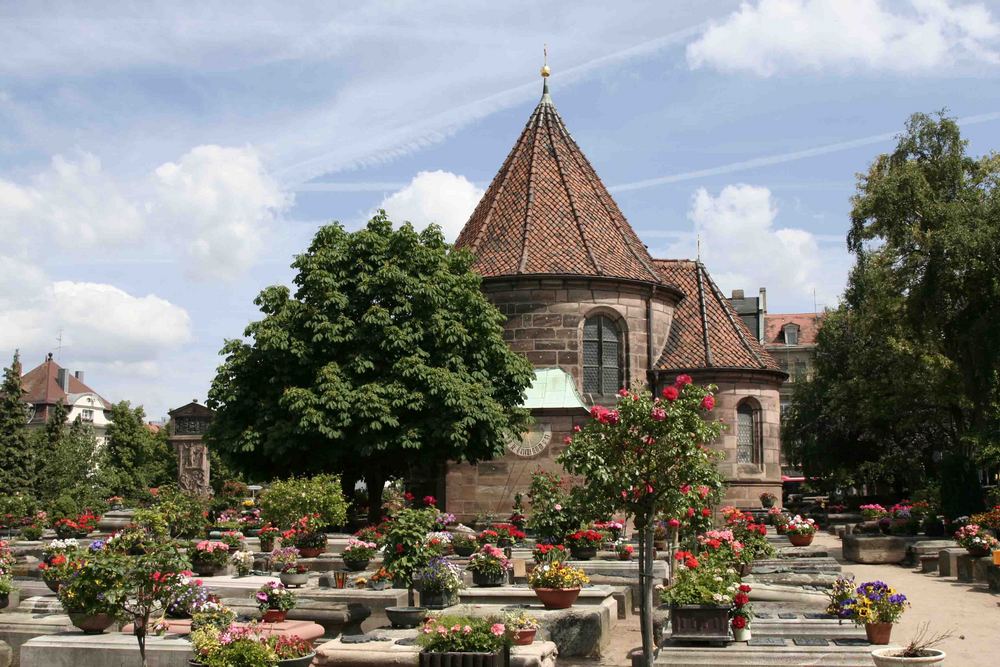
pixel 874 550
pixel 883 657
pixel 462 659
pixel 203 569
pixel 557 598
pixel 464 551
pixel 405 617
pixel 583 553
pixel 438 599
pixel 488 579
pixel 800 540
pixel 978 552
pixel 878 633
pixel 91 624
pixel 295 579
pixel 745 569
pixel 4 600
pixel 356 565
pixel 274 616
pixel 705 623
pixel 524 637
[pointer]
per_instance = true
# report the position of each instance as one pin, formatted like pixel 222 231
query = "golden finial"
pixel 545 61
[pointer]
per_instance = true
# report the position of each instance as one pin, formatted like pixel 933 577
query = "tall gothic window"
pixel 748 433
pixel 602 354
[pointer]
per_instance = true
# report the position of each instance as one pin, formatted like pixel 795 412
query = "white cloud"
pixel 76 203
pixel 434 196
pixel 100 322
pixel 225 200
pixel 743 249
pixel 772 36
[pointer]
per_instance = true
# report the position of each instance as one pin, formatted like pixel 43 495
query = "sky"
pixel 162 162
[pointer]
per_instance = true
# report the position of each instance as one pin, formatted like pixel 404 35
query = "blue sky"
pixel 161 163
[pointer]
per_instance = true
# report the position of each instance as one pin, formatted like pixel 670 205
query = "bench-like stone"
pixel 770 624
pixel 744 655
pixel 519 595
pixel 75 649
pixel 874 550
pixel 993 577
pixel 948 561
pixel 6 654
pixel 971 568
pixel 929 563
pixel 915 550
pixel 335 618
pixel 306 630
pixel 114 520
pixel 19 627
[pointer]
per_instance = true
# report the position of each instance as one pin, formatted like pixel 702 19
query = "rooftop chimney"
pixel 78 375
pixel 62 377
pixel 737 294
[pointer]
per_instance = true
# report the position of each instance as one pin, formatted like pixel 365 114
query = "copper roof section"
pixel 41 386
pixel 548 213
pixel 706 332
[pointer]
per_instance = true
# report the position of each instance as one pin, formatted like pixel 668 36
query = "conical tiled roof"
pixel 547 212
pixel 706 331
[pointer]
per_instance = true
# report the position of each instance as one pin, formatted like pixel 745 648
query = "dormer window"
pixel 791 333
pixel 87 415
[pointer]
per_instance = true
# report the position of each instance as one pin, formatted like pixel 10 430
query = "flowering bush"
pixel 873 512
pixel 841 595
pixel 551 516
pixel 872 602
pixel 799 526
pixel 212 614
pixel 274 595
pixel 403 541
pixel 776 517
pixel 462 540
pixel 233 539
pixel 488 536
pixel 306 532
pixel 285 501
pixel 701 583
pixel 767 498
pixel 457 634
pixel 489 560
pixel 444 519
pixel 268 533
pixel 243 561
pixel 974 538
pixel 438 576
pixel 742 611
pixel 438 543
pixel 6 564
pixel 583 539
pixel 518 620
pixel 549 553
pixel 234 645
pixel 290 647
pixel 210 553
pixel 88 581
pixel 285 559
pixel 358 551
pixel 624 549
pixel 557 574
pixel 613 528
pixel 186 595
pixel 722 547
pixel 989 519
pixel 508 533
pixel 81 525
pixel 368 534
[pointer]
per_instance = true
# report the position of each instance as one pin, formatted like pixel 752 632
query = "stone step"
pixel 112 649
pixel 17 628
pixel 754 654
pixel 523 595
pixel 385 649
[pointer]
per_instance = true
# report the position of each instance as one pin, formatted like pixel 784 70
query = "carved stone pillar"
pixel 188 425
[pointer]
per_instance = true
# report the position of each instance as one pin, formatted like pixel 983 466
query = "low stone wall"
pixel 874 550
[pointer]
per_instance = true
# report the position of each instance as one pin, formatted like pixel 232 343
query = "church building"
pixel 594 312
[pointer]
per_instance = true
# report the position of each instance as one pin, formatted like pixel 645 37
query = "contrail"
pixel 781 157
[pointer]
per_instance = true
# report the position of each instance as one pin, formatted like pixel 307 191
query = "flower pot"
pixel 53 585
pixel 91 624
pixel 304 661
pixel 311 552
pixel 659 545
pixel 267 546
pixel 741 634
pixel 504 542
pixel 978 551
pixel 438 599
pixel 583 553
pixel 525 637
pixel 781 528
pixel 878 633
pixel 625 556
pixel 356 565
pixel 488 579
pixel 203 569
pixel 406 617
pixel 462 659
pixel 557 598
pixel 251 532
pixel 799 540
pixel 378 585
pixel 294 578
pixel 464 551
pixel 745 569
pixel 767 502
pixel 706 623
pixel 274 616
pixel 4 600
pixel 883 657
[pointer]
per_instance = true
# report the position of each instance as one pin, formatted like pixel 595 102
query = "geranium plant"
pixel 490 561
pixel 799 526
pixel 285 559
pixel 583 539
pixel 873 511
pixel 974 538
pixel 462 540
pixel 210 553
pixel 698 583
pixel 742 612
pixel 274 595
pixel 458 634
pixel 232 538
pixel 359 551
pixel 624 550
pixel 548 553
pixel 403 544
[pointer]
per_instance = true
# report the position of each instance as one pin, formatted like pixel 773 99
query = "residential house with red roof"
pixel 49 383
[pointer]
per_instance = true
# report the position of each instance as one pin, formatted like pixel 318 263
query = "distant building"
pixel 752 310
pixel 791 340
pixel 49 384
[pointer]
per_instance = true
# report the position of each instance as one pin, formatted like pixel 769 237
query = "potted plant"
pixel 6 575
pixel 212 614
pixel 767 499
pixel 488 536
pixel 489 566
pixel 613 528
pixel 243 562
pixel 920 650
pixel 556 584
pixel 741 614
pixel 380 580
pixel 873 604
pixel 543 553
pixel 32 531
pixel 233 539
pixel 800 531
pixel 507 534
pixel 624 550
pixel 438 582
pixel 274 600
pixel 249 647
pixel 56 562
pixel 185 595
pixel 286 561
pixel 209 558
pixel 292 651
pixel 464 544
pixel 522 627
pixel 660 536
pixel 84 594
pixel 358 553
pixel 267 536
pixel 975 540
pixel 437 543
pixel 463 642
pixel 583 544
pixel 700 599
pixel 116 503
pixel 308 536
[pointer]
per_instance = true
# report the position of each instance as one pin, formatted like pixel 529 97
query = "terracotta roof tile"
pixel 808 323
pixel 41 385
pixel 547 212
pixel 706 331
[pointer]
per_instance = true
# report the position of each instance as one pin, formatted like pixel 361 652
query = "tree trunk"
pixel 375 482
pixel 646 587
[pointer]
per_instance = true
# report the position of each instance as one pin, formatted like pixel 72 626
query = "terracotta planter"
pixel 405 617
pixel 878 633
pixel 311 552
pixel 91 624
pixel 800 540
pixel 557 598
pixel 274 616
pixel 707 623
pixel 583 553
pixel 524 637
pixel 462 659
pixel 356 565
pixel 883 657
pixel 267 546
pixel 488 579
pixel 294 578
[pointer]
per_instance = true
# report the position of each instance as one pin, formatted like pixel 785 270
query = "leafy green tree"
pixel 386 358
pixel 286 501
pixel 68 465
pixel 16 472
pixel 133 458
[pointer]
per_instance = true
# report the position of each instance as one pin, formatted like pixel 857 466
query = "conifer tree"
pixel 16 469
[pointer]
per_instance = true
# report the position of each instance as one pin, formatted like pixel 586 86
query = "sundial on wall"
pixel 532 442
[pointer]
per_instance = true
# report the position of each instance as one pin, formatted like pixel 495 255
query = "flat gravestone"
pixel 850 641
pixel 763 615
pixel 787 615
pixel 810 641
pixel 355 639
pixel 766 641
pixel 814 616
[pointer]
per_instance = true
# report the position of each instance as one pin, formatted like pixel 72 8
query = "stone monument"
pixel 188 425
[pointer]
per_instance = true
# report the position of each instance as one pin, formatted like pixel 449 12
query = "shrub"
pixel 404 541
pixel 551 516
pixel 449 634
pixel 285 501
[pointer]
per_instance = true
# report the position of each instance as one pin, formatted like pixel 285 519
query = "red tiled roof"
pixel 808 323
pixel 547 212
pixel 41 385
pixel 706 332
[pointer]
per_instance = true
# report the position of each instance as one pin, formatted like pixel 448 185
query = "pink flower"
pixel 498 629
pixel 658 414
pixel 557 507
pixel 623 392
pixel 686 489
pixel 671 393
pixel 577 429
pixel 682 380
pixel 703 491
pixel 567 440
pixel 673 523
pixel 708 402
pixel 467 629
pixel 430 501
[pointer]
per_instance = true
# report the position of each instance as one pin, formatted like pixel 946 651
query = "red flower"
pixel 691 562
pixel 430 501
pixel 745 588
pixel 567 440
pixel 673 523
pixel 706 512
pixel 671 393
pixel 682 380
pixel 741 599
pixel 686 488
pixel 408 497
pixel 715 544
pixel 399 548
pixel 690 512
pixel 623 392
pixel 708 402
pixel 681 555
pixel 739 622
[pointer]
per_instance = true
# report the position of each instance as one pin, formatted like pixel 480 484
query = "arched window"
pixel 602 355
pixel 749 434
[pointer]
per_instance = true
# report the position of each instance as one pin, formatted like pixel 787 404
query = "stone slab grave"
pixel 774 620
pixel 811 551
pixel 520 595
pixel 929 563
pixel 815 581
pixel 306 630
pixel 335 618
pixel 814 600
pixel 75 649
pixel 396 647
pixel 810 565
pixel 841 652
pixel 6 654
pixel 874 550
pixel 971 569
pixel 948 561
pixel 17 628
pixel 924 547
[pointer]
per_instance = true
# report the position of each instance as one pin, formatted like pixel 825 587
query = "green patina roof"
pixel 552 388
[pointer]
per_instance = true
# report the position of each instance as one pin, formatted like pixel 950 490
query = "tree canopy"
pixel 16 474
pixel 386 357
